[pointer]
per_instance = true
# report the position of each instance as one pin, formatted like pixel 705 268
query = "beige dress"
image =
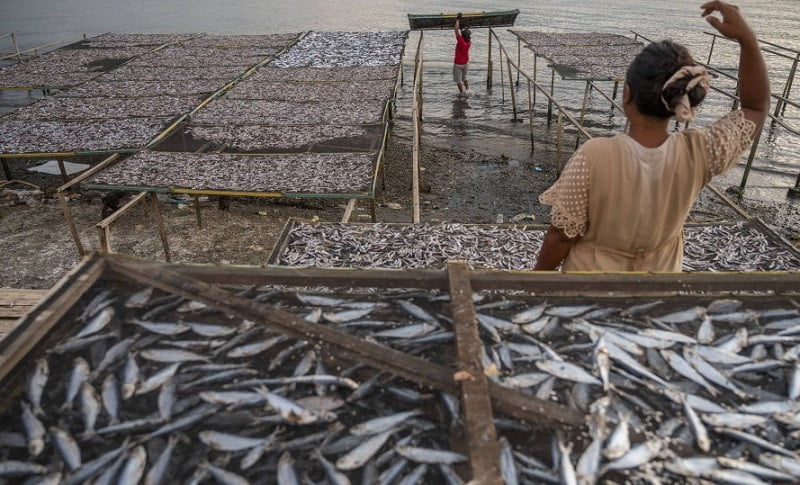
pixel 628 202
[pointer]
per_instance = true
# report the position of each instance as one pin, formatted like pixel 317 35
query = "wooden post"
pixel 16 48
pixel 63 170
pixel 372 213
pixel 535 62
pixel 552 90
pixel 795 191
pixel 197 211
pixel 583 112
pixel 711 50
pixel 513 94
pixel 161 229
pixel 789 81
pixel 105 239
pixel 749 164
pixel 530 112
pixel 559 133
pixel 348 212
pixel 502 81
pixel 481 436
pixel 62 201
pixel 489 63
pixel 519 58
pixel 6 169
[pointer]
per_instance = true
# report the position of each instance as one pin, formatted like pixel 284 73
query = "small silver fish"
pixel 429 455
pixel 568 371
pixel 228 442
pixel 134 467
pixel 171 355
pixel 67 447
pixel 378 425
pixel 35 385
pixel 619 442
pixel 363 452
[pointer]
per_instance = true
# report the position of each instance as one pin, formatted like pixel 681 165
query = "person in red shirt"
pixel 461 60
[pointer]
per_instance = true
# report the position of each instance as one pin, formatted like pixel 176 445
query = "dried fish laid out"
pixel 324 74
pixel 134 71
pixel 300 92
pixel 731 247
pixel 79 136
pixel 141 89
pixel 258 138
pixel 740 247
pixel 307 173
pixel 111 40
pixel 270 41
pixel 256 112
pixel 205 56
pixel 538 38
pixel 341 49
pixel 690 388
pixel 14 77
pixel 59 108
pixel 149 386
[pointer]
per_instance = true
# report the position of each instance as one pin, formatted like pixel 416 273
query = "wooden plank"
pixel 481 436
pixel 283 240
pixel 122 210
pixel 347 346
pixel 351 206
pixel 16 345
pixel 10 297
pixel 607 284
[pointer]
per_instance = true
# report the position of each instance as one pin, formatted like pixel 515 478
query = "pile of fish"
pixel 207 56
pixel 315 173
pixel 343 49
pixel 132 72
pixel 80 136
pixel 324 74
pixel 303 92
pixel 149 386
pixel 590 55
pixel 54 108
pixel 259 138
pixel 64 67
pixel 273 41
pixel 685 389
pixel 256 112
pixel 115 40
pixel 723 247
pixel 98 88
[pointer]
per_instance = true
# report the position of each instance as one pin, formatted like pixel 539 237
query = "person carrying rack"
pixel 461 60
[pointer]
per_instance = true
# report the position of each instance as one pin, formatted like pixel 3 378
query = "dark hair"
pixel 648 72
pixel 465 33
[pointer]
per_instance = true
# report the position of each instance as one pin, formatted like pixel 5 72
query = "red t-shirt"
pixel 462 50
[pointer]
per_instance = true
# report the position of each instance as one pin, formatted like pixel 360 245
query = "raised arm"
pixel 754 90
pixel 458 24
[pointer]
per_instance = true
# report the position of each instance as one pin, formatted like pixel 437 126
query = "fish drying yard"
pixel 414 348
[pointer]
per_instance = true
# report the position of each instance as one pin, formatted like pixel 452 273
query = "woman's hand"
pixel 732 25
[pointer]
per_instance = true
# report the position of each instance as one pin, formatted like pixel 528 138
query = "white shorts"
pixel 460 72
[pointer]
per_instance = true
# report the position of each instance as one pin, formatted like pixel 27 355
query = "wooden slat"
pixel 347 346
pixel 481 437
pixel 21 339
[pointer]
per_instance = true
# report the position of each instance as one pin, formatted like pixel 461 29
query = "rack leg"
pixel 198 212
pixel 62 201
pixel 161 229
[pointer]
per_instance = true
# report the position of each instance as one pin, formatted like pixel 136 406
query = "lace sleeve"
pixel 569 197
pixel 725 140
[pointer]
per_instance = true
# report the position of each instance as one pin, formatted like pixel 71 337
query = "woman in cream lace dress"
pixel 620 203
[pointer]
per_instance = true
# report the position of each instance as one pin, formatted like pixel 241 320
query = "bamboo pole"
pixel 489 63
pixel 65 210
pixel 519 57
pixel 63 170
pixel 795 191
pixel 513 94
pixel 584 106
pixel 348 212
pixel 198 211
pixel 16 48
pixel 502 82
pixel 6 169
pixel 161 229
pixel 559 135
pixel 552 93
pixel 753 149
pixel 530 112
